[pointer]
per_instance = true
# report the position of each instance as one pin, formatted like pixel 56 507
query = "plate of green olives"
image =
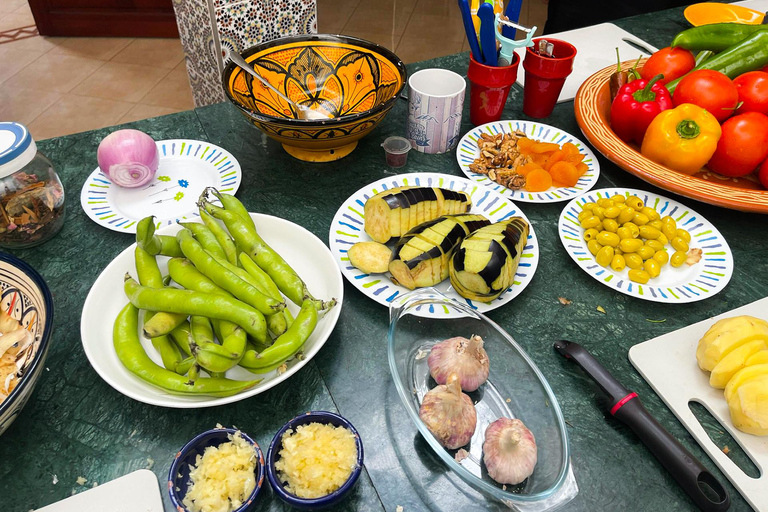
pixel 646 245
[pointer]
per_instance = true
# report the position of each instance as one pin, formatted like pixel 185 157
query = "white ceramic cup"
pixel 435 102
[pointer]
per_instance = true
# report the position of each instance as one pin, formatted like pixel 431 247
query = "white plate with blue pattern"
pixel 674 285
pixel 186 168
pixel 467 151
pixel 347 228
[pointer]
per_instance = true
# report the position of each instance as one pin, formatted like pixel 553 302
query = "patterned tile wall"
pixel 205 26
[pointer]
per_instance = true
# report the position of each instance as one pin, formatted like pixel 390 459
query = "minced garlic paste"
pixel 223 477
pixel 316 459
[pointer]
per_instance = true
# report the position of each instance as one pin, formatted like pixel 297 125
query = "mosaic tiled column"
pixel 205 26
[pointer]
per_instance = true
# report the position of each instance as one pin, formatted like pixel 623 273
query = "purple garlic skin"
pixel 464 357
pixel 449 414
pixel 509 451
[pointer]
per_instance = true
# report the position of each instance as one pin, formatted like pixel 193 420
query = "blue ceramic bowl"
pixel 273 454
pixel 26 297
pixel 178 476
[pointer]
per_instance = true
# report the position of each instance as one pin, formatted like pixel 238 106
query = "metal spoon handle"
pixel 240 61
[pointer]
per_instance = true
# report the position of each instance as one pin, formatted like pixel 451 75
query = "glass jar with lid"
pixel 31 194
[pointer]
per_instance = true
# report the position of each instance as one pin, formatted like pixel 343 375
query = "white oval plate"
pixel 186 168
pixel 347 228
pixel 467 151
pixel 306 253
pixel 674 285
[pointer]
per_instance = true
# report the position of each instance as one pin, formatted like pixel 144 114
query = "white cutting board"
pixel 595 49
pixel 669 365
pixel 134 492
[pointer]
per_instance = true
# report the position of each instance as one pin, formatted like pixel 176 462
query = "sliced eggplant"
pixel 394 212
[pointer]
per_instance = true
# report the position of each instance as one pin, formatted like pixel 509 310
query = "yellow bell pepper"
pixel 682 138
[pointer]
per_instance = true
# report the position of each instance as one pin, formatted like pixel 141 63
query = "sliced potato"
pixel 744 329
pixel 748 406
pixel 370 257
pixel 744 375
pixel 758 358
pixel 733 362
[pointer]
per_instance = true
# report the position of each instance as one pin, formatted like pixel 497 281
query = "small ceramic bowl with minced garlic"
pixel 219 469
pixel 311 441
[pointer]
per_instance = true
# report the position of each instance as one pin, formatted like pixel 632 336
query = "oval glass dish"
pixel 515 389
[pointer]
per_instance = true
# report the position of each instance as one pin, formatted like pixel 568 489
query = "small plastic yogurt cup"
pixel 396 151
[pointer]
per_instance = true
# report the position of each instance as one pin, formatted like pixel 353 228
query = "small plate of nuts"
pixel 528 161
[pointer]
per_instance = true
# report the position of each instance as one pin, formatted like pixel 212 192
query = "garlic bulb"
pixel 509 451
pixel 449 414
pixel 464 357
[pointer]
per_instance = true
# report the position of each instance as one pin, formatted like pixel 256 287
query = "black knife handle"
pixel 593 368
pixel 700 485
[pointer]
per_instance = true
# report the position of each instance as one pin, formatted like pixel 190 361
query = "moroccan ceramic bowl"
pixel 273 455
pixel 178 475
pixel 354 81
pixel 592 106
pixel 26 297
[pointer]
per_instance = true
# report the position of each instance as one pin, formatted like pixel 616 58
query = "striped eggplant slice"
pixel 485 263
pixel 421 256
pixel 396 211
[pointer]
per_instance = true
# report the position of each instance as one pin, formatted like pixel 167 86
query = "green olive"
pixel 583 214
pixel 588 206
pixel 640 219
pixel 633 260
pixel 626 215
pixel 663 240
pixel 624 233
pixel 651 213
pixel 649 232
pixel 618 198
pixel 616 250
pixel 612 212
pixel 685 235
pixel 633 228
pixel 669 227
pixel 678 259
pixel 652 267
pixel 590 222
pixel 679 244
pixel 646 252
pixel 590 234
pixel 594 247
pixel 656 224
pixel 610 225
pixel 618 263
pixel 661 257
pixel 655 244
pixel 599 212
pixel 635 202
pixel 620 206
pixel 604 202
pixel 639 276
pixel 604 256
pixel 630 244
pixel 608 238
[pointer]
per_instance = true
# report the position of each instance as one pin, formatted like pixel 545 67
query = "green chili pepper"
pixel 703 55
pixel 149 275
pixel 195 303
pixel 749 55
pixel 205 238
pixel 215 271
pixel 125 338
pixel 226 243
pixel 715 37
pixel 234 205
pixel 155 244
pixel 287 345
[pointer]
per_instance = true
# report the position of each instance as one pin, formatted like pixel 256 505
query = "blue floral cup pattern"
pixel 435 103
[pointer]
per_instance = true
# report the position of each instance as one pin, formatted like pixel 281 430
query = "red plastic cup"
pixel 488 89
pixel 545 76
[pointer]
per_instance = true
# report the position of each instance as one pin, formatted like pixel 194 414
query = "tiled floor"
pixel 61 85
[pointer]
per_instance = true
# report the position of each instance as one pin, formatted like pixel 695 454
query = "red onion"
pixel 129 157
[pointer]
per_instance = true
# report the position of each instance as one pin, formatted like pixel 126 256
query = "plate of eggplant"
pixel 426 229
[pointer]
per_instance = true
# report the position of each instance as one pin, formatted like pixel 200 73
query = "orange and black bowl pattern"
pixel 592 106
pixel 354 81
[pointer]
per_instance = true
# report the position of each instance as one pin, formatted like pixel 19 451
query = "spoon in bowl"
pixel 303 112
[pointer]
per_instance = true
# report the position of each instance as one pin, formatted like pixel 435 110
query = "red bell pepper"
pixel 635 106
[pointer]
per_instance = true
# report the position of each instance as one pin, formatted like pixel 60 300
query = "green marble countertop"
pixel 76 425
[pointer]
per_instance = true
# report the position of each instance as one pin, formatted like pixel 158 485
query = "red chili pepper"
pixel 635 106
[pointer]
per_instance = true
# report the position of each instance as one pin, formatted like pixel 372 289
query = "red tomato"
pixel 742 146
pixel 753 92
pixel 763 174
pixel 670 62
pixel 709 89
